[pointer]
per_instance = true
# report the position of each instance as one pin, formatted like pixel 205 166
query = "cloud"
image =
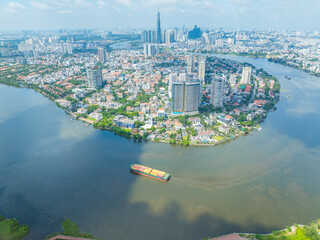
pixel 13 7
pixel 205 13
pixel 65 12
pixel 101 4
pixel 40 5
pixel 126 3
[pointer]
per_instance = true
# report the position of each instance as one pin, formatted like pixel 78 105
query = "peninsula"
pixel 164 95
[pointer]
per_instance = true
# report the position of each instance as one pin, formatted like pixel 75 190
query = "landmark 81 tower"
pixel 158 28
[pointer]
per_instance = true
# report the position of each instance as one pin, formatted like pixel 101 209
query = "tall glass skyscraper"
pixel 158 28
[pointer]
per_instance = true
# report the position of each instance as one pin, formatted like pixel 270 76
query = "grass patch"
pixel 218 138
pixel 91 119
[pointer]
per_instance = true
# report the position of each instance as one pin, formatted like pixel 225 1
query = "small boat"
pixel 287 77
pixel 150 172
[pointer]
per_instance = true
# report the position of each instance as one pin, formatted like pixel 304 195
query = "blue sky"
pixel 112 14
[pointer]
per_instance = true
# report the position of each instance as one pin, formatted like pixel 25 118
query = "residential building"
pixel 246 75
pixel 94 77
pixel 185 96
pixel 202 70
pixel 190 64
pixel 102 55
pixel 217 93
pixel 150 49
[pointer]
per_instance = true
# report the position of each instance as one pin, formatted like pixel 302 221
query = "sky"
pixel 126 14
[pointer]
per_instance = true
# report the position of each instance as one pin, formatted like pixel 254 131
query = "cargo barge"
pixel 150 172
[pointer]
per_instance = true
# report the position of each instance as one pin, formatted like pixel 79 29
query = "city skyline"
pixel 111 14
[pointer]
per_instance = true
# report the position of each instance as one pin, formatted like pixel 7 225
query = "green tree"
pixel 70 228
pixel 138 124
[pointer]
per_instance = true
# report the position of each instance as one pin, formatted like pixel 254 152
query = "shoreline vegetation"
pixel 209 127
pixel 10 229
pixel 295 232
pixel 71 229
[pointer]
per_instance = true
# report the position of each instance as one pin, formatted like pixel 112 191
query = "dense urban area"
pixel 169 90
pixel 160 85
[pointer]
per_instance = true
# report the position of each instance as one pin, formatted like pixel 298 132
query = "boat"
pixel 287 77
pixel 150 172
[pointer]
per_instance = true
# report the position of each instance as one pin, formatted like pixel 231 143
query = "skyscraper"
pixel 202 70
pixel 177 96
pixel 194 33
pixel 173 77
pixel 66 47
pixel 170 36
pixel 63 47
pixel 69 47
pixel 94 77
pixel 101 55
pixel 217 93
pixel 191 96
pixel 185 96
pixel 149 36
pixel 150 49
pixel 158 28
pixel 190 64
pixel 246 75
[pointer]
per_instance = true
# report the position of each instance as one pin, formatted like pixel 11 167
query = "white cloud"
pixel 13 7
pixel 65 12
pixel 101 3
pixel 126 3
pixel 40 5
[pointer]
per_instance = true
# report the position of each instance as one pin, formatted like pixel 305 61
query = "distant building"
pixel 194 33
pixel 219 43
pixel 217 93
pixel 185 96
pixel 173 77
pixel 170 36
pixel 190 64
pixel 202 70
pixel 149 36
pixel 231 41
pixel 163 36
pixel 66 47
pixel 246 75
pixel 94 77
pixel 63 47
pixel 69 47
pixel 102 55
pixel 150 49
pixel 158 28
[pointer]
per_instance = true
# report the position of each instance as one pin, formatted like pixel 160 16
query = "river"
pixel 53 168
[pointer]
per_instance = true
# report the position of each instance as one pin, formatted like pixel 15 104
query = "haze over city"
pixel 112 14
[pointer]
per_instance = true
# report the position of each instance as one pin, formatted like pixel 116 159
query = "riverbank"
pixel 295 66
pixel 294 232
pixel 271 58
